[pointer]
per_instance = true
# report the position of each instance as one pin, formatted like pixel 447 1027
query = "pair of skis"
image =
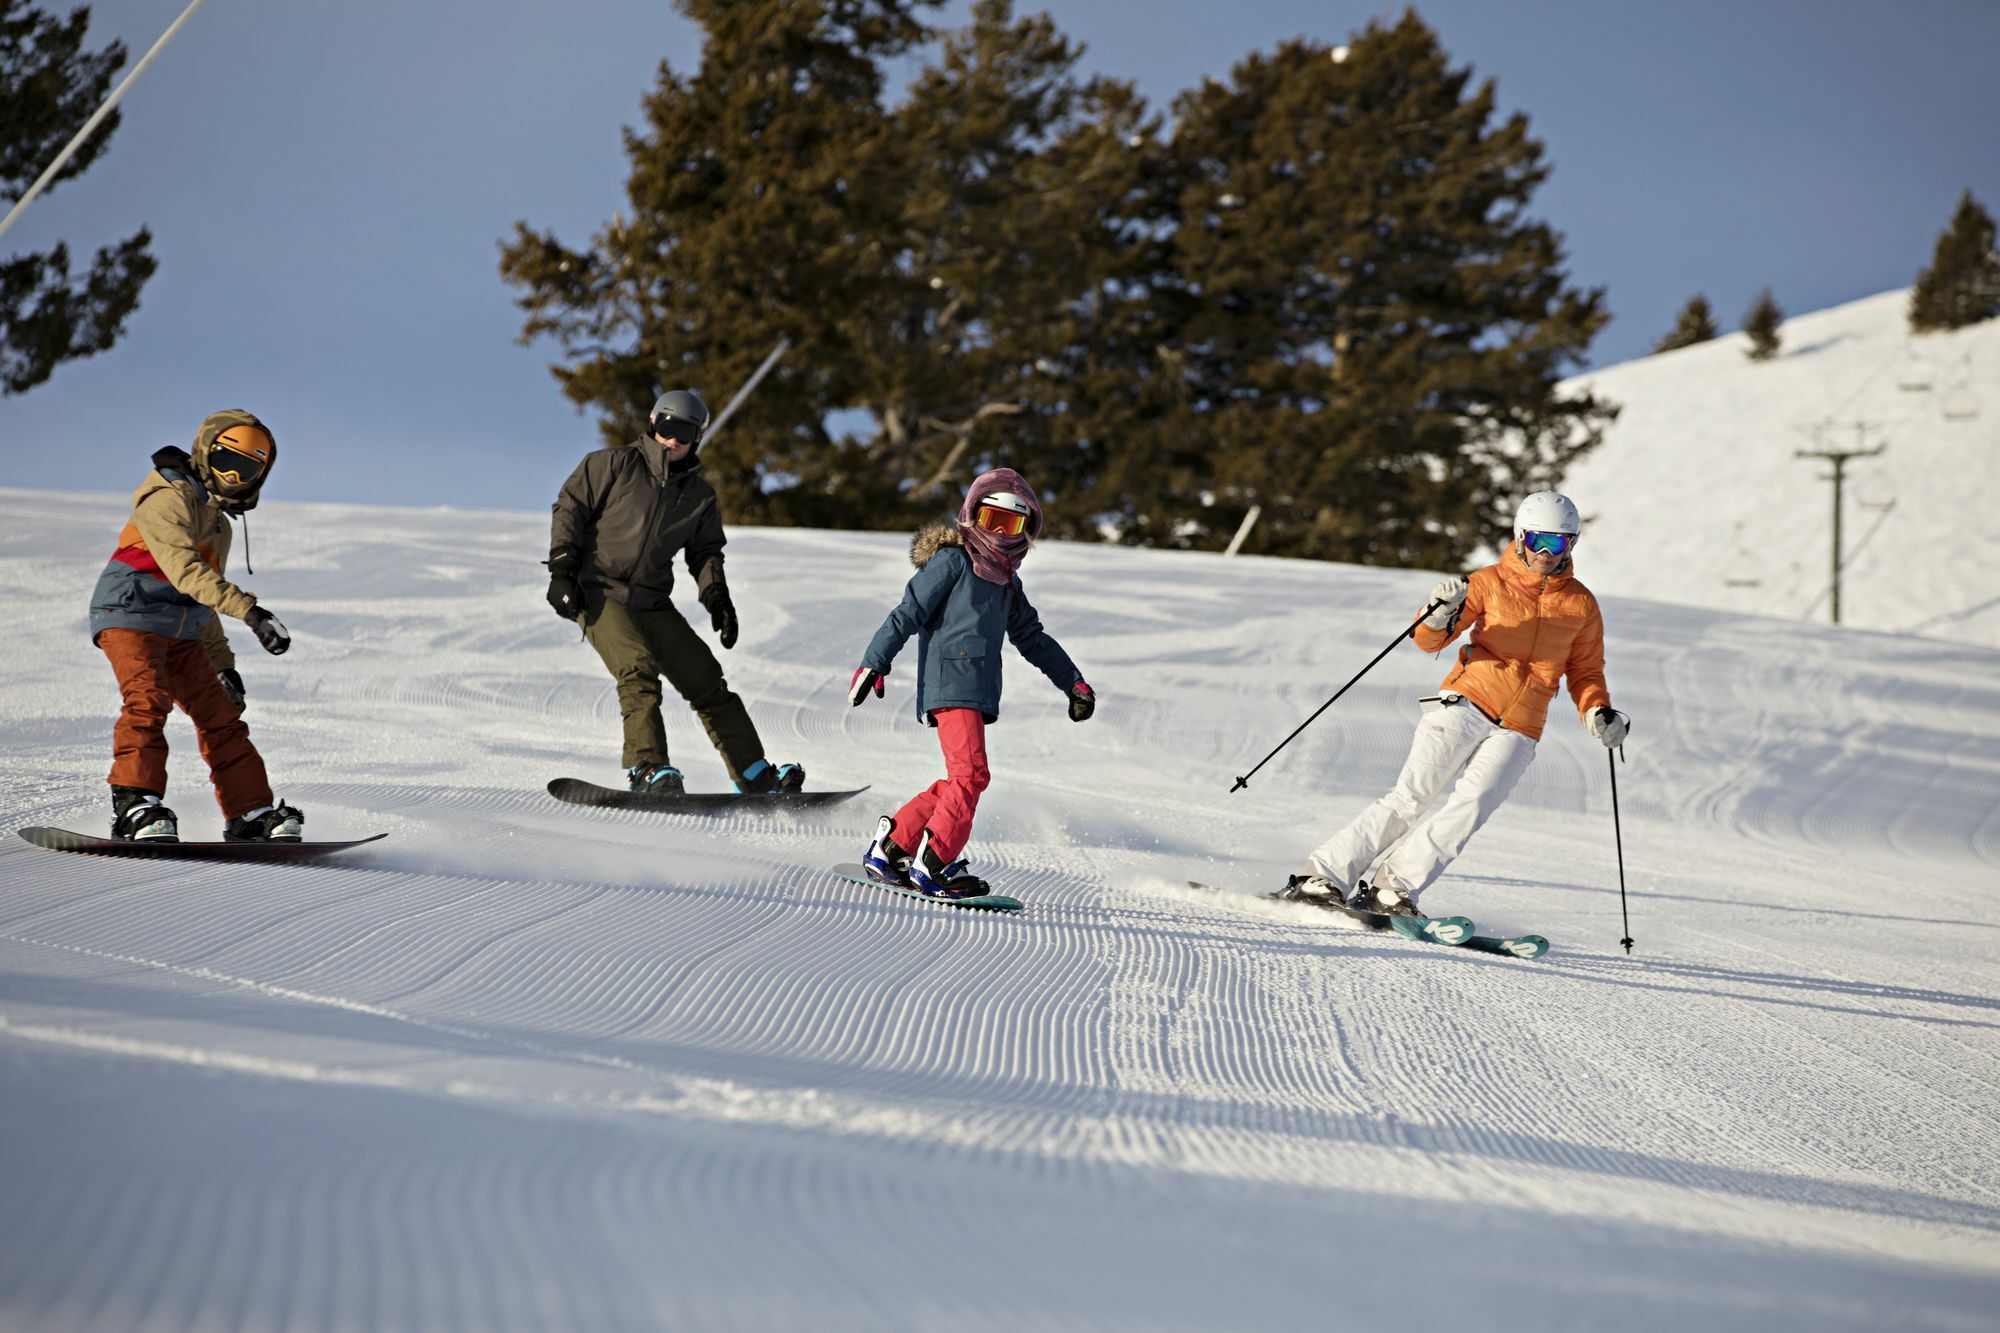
pixel 1455 932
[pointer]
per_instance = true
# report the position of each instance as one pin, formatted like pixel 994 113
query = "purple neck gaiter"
pixel 996 558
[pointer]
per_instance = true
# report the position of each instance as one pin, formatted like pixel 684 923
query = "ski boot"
pixel 273 823
pixel 763 778
pixel 1316 889
pixel 656 779
pixel 1383 899
pixel 884 860
pixel 931 874
pixel 138 816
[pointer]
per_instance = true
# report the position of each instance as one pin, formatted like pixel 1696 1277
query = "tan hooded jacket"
pixel 166 575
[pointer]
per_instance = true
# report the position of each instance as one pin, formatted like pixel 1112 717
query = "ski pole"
pixel 1619 833
pixel 1244 781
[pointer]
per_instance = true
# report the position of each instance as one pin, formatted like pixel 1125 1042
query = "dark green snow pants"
pixel 641 646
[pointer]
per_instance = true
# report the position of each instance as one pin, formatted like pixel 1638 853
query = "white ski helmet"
pixel 1547 511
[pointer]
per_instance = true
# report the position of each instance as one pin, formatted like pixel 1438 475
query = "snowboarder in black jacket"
pixel 619 521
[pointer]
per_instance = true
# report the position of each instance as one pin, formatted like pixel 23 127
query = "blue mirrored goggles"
pixel 1554 543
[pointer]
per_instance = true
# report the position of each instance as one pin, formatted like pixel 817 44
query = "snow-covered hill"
pixel 1697 495
pixel 527 1067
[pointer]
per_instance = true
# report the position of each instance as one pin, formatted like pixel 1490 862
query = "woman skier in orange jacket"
pixel 1529 624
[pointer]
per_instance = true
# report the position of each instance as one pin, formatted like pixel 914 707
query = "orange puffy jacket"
pixel 1526 633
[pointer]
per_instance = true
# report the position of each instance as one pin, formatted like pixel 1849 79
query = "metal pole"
pixel 1838 458
pixel 756 378
pixel 1618 832
pixel 1244 781
pixel 89 125
pixel 1839 472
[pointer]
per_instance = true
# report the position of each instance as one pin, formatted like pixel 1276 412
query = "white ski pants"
pixel 1456 742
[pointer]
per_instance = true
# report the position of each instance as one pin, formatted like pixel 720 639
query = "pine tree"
pixel 763 196
pixel 1761 322
pixel 1011 265
pixel 1371 330
pixel 49 86
pixel 1962 284
pixel 1695 324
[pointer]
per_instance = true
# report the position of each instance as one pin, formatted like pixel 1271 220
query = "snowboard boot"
pixel 138 816
pixel 764 778
pixel 1383 899
pixel 931 874
pixel 657 779
pixel 884 860
pixel 1310 889
pixel 273 823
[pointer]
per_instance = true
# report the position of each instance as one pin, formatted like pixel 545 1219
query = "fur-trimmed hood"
pixel 929 541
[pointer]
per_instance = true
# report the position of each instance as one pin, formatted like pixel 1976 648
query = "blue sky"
pixel 327 186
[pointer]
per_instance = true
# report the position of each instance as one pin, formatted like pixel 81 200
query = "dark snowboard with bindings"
pixel 989 902
pixel 575 791
pixel 62 840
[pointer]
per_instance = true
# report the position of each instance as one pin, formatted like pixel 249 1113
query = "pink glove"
pixel 857 689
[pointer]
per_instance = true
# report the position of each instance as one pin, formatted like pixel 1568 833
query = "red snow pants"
pixel 155 673
pixel 946 806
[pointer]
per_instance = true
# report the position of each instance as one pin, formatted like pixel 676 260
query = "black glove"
pixel 232 685
pixel 268 630
pixel 564 593
pixel 721 614
pixel 1082 703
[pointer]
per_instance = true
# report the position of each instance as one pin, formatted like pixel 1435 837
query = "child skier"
pixel 620 519
pixel 154 614
pixel 1530 624
pixel 965 595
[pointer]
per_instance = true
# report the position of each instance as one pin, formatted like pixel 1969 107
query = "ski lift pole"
pixel 749 386
pixel 97 118
pixel 1411 629
pixel 1619 833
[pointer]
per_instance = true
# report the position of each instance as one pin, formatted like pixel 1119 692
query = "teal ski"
pixel 989 902
pixel 1516 946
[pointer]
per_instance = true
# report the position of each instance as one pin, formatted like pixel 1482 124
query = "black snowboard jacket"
pixel 627 513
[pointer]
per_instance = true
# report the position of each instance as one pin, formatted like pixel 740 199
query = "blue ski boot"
pixel 884 860
pixel 657 779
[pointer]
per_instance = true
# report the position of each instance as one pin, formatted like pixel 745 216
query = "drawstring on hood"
pixel 244 519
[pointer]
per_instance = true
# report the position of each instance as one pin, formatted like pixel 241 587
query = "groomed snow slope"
pixel 527 1067
pixel 1697 495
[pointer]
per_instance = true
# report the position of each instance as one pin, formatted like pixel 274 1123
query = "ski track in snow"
pixel 528 1066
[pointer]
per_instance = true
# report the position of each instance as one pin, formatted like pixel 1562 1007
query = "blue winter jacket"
pixel 959 619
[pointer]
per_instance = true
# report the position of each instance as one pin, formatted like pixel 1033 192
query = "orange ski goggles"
pixel 1003 521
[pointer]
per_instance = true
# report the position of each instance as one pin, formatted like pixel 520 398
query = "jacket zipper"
pixel 653 517
pixel 1528 667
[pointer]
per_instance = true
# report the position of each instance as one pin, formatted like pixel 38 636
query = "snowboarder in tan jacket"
pixel 156 614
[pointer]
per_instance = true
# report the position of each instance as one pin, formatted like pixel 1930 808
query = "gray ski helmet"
pixel 680 415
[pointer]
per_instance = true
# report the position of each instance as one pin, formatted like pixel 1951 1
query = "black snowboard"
pixel 62 840
pixel 575 791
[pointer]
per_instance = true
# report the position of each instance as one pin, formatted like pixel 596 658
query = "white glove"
pixel 1450 594
pixel 1610 726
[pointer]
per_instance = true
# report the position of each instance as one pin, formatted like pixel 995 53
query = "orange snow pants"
pixel 946 807
pixel 155 673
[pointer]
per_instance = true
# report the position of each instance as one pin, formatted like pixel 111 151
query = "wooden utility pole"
pixel 1838 458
